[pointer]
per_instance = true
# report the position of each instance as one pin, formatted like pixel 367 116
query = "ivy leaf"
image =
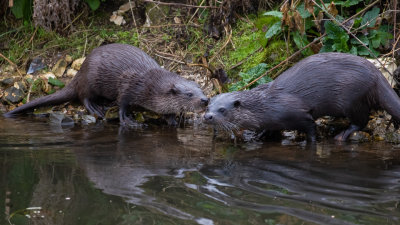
pixel 273 30
pixel 56 82
pixel 338 36
pixel 274 13
pixel 22 9
pixel 369 19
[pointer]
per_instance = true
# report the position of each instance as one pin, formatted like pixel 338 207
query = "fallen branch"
pixel 305 47
pixel 180 4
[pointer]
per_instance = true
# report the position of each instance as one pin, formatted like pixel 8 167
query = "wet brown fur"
pixel 333 84
pixel 127 75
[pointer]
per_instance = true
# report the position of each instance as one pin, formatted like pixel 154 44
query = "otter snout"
pixel 205 101
pixel 209 117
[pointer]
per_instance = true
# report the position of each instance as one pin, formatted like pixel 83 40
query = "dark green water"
pixel 100 175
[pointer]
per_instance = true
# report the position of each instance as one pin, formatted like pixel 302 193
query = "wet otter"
pixel 127 75
pixel 333 84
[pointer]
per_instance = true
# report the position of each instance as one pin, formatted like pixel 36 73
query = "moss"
pixel 277 51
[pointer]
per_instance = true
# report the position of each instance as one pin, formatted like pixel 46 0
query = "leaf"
pixel 304 13
pixel 273 30
pixel 274 13
pixel 369 19
pixel 301 41
pixel 361 50
pixel 348 3
pixel 56 82
pixel 22 9
pixel 353 50
pixel 333 31
pixel 93 4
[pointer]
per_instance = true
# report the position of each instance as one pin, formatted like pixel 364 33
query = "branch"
pixel 10 62
pixel 179 4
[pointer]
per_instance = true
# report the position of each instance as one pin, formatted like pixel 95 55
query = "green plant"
pixel 94 4
pixel 250 75
pixel 22 9
pixel 304 22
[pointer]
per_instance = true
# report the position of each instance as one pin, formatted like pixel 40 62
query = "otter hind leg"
pixel 342 136
pixel 93 108
pixel 359 116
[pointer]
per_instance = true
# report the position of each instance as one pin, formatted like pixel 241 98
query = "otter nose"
pixel 208 117
pixel 205 101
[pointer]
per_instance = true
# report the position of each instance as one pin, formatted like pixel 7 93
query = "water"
pixel 100 174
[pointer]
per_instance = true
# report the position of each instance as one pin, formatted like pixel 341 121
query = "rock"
pixel 389 64
pixel 359 136
pixel 36 65
pixel 20 85
pixel 59 118
pixel 76 65
pixel 68 59
pixel 112 113
pixel 71 73
pixel 9 68
pixel 8 81
pixel 117 19
pixel 60 67
pixel 88 119
pixel 13 94
pixel 48 75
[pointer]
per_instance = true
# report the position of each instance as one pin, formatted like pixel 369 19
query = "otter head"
pixel 175 94
pixel 231 112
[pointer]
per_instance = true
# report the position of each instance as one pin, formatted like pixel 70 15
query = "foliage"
pixel 22 9
pixel 251 75
pixel 93 4
pixel 56 82
pixel 304 23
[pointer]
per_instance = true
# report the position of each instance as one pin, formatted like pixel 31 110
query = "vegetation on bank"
pixel 253 42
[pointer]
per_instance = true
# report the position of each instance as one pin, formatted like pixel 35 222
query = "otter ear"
pixel 236 103
pixel 173 90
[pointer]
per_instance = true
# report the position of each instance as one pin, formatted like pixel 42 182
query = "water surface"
pixel 99 174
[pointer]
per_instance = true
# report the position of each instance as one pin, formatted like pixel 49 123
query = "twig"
pixel 84 48
pixel 10 62
pixel 223 46
pixel 201 65
pixel 191 18
pixel 134 21
pixel 180 4
pixel 33 35
pixel 65 28
pixel 311 43
pixel 394 26
pixel 172 24
pixel 169 58
pixel 247 58
pixel 29 91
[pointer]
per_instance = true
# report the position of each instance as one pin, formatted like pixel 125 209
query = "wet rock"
pixel 76 65
pixel 36 65
pixel 60 67
pixel 88 119
pixel 8 81
pixel 13 94
pixel 112 113
pixel 59 118
pixel 71 73
pixel 21 85
pixel 359 136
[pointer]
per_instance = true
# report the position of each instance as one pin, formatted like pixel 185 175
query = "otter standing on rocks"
pixel 332 84
pixel 127 75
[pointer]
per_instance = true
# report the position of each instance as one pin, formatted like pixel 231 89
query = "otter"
pixel 126 75
pixel 325 84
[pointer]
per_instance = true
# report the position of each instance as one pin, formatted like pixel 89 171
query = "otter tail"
pixel 66 94
pixel 388 99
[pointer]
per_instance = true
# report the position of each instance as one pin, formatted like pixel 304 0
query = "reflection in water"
pixel 83 175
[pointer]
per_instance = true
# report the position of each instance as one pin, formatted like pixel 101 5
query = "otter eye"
pixel 221 110
pixel 189 95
